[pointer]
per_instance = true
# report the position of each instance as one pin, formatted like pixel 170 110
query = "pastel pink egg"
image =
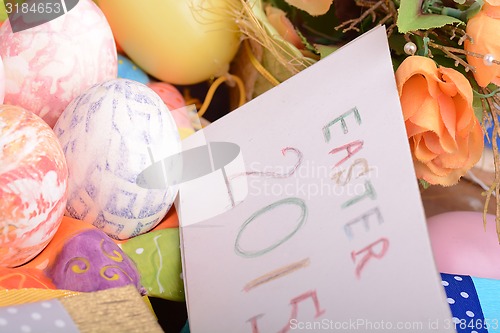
pixel 174 101
pixel 169 94
pixel 49 65
pixel 2 81
pixel 461 245
pixel 33 185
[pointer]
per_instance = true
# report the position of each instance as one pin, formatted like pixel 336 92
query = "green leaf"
pixel 424 184
pixel 478 108
pixel 325 50
pixel 397 43
pixel 308 46
pixel 411 18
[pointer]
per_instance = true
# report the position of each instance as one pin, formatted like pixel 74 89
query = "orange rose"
pixel 484 28
pixel 283 26
pixel 312 7
pixel 445 137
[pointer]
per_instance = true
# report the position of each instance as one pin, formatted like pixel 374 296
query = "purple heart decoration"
pixel 24 15
pixel 91 261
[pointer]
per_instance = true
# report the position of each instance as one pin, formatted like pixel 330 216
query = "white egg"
pixel 107 135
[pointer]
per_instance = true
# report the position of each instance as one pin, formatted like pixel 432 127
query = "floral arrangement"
pixel 446 57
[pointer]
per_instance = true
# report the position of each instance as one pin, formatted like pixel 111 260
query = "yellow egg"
pixel 177 41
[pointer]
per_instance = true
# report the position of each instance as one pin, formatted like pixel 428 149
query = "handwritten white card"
pixel 331 235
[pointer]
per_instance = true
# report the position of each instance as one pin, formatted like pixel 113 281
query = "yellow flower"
pixel 445 137
pixel 484 29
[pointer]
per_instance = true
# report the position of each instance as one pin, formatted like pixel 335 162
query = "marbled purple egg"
pixel 91 261
pixel 108 135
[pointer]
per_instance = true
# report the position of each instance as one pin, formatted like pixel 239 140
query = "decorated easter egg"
pixel 176 104
pixel 181 42
pixel 50 64
pixel 109 135
pixel 158 257
pixel 91 261
pixel 2 81
pixel 461 244
pixel 128 70
pixel 169 95
pixel 33 184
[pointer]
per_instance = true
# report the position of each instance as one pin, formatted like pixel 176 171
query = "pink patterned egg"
pixel 33 185
pixel 49 65
pixel 2 81
pixel 175 103
pixel 169 94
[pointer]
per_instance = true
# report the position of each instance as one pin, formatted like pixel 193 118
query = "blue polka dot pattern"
pixel 464 303
pixel 128 70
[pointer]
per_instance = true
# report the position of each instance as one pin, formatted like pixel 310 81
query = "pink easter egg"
pixel 2 82
pixel 33 185
pixel 169 94
pixel 174 101
pixel 48 65
pixel 461 245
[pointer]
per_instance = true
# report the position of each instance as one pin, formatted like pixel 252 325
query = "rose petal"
pixel 437 169
pixel 459 164
pixel 283 26
pixel 412 129
pixel 448 87
pixel 455 83
pixel 424 172
pixel 484 31
pixel 418 66
pixel 464 114
pixel 422 153
pixel 428 116
pixel 476 145
pixel 458 158
pixel 313 7
pixel 448 116
pixel 492 8
pixel 433 142
pixel 413 94
pixel 492 2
